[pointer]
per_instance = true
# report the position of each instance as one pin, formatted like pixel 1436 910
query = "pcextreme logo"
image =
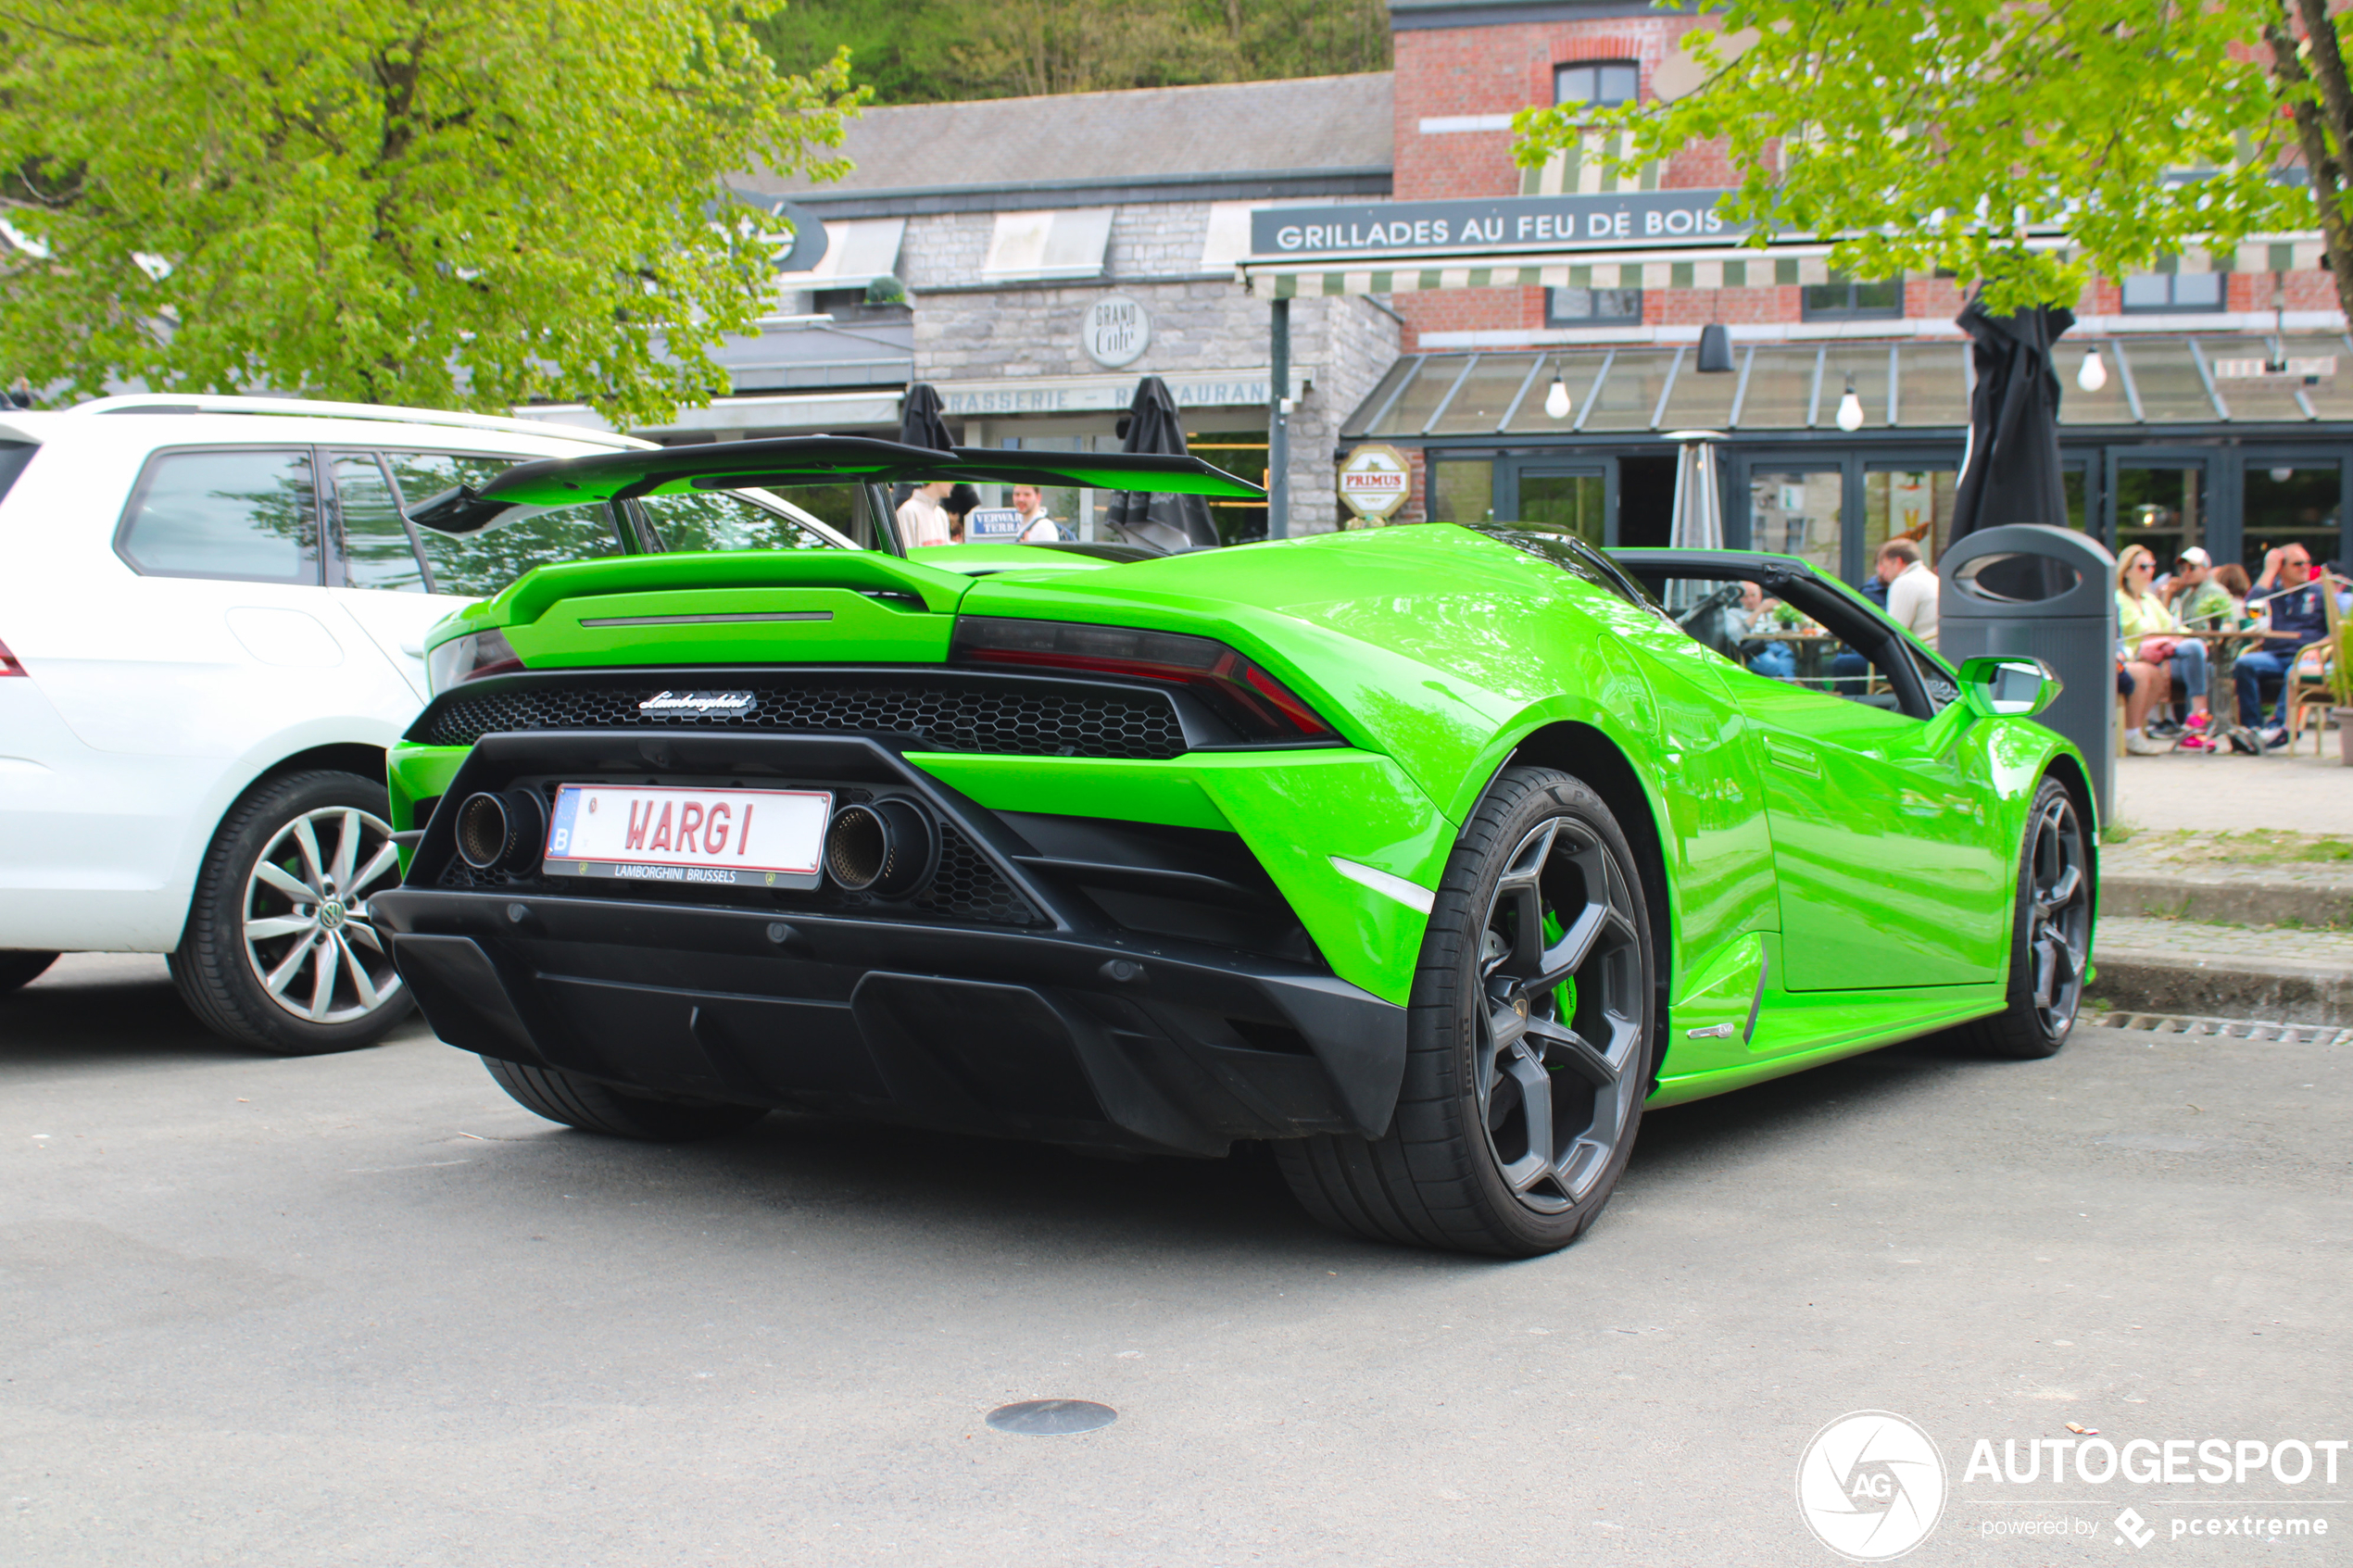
pixel 1870 1485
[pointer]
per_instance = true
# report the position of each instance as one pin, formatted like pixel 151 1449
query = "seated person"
pixel 2153 635
pixel 2299 618
pixel 1772 658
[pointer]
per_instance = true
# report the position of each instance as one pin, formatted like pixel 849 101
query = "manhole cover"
pixel 1051 1418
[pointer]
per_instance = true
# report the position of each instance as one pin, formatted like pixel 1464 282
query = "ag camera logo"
pixel 1870 1485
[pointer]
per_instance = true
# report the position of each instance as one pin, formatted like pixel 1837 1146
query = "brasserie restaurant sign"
pixel 1375 229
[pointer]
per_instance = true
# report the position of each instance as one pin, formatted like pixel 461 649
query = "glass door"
pixel 1557 498
pixel 1799 510
pixel 1907 500
pixel 2160 503
pixel 2288 500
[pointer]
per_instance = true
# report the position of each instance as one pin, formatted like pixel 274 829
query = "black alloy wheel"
pixel 2051 935
pixel 1528 1036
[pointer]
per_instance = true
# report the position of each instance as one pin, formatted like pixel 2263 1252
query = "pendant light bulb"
pixel 2094 375
pixel 1557 401
pixel 1850 409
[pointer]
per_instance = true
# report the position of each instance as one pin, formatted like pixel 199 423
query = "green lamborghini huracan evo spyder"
pixel 1431 855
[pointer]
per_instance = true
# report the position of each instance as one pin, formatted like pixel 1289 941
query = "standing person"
pixel 922 518
pixel 1037 528
pixel 958 505
pixel 2299 618
pixel 2152 634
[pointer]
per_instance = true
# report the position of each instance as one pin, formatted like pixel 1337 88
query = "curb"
pixel 2131 980
pixel 2226 900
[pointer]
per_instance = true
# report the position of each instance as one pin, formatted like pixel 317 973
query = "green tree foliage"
pixel 468 203
pixel 936 51
pixel 1962 133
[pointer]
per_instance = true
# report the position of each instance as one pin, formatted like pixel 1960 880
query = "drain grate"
pixel 2230 1028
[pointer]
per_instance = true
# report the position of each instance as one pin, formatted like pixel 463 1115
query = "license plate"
pixel 724 837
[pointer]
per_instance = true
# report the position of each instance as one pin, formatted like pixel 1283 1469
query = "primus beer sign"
pixel 1375 481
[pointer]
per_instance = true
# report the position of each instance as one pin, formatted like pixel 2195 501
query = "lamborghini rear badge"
pixel 727 705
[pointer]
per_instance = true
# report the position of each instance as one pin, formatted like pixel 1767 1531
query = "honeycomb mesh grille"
pixel 1006 719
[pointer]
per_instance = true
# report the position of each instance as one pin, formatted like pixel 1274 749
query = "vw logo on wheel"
pixel 1870 1485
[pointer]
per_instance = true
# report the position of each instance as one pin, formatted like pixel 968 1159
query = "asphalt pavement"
pixel 362 1309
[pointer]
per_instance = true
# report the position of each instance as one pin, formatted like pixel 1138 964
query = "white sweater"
pixel 1911 602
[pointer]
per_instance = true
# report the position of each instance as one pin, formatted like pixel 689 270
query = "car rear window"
pixel 478 565
pixel 14 456
pixel 242 514
pixel 715 521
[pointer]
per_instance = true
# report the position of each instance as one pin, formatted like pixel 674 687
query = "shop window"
pixel 1593 307
pixel 1599 84
pixel 2168 293
pixel 2289 503
pixel 1846 299
pixel 1462 491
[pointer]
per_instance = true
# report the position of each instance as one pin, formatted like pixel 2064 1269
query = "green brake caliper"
pixel 1565 993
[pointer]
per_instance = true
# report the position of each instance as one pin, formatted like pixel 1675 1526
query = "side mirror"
pixel 2009 688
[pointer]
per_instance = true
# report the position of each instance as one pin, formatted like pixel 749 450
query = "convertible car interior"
pixel 1841 645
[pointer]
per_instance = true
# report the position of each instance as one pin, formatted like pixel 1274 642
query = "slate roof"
pixel 1155 133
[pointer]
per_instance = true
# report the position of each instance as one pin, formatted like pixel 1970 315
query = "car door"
pixel 1884 834
pixel 376 574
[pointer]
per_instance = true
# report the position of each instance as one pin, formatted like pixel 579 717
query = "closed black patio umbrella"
pixel 919 420
pixel 2011 473
pixel 1165 523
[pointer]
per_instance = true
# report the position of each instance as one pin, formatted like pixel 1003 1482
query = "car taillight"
pixel 467 659
pixel 1256 702
pixel 9 664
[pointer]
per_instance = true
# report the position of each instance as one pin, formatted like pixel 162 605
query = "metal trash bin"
pixel 2031 590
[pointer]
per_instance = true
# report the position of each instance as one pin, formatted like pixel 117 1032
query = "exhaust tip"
pixel 496 831
pixel 887 847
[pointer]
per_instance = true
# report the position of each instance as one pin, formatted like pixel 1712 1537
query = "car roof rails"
pixel 307 409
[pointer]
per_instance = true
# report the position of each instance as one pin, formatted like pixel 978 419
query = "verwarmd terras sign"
pixel 1383 229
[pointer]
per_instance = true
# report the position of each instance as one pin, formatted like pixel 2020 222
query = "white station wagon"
pixel 212 614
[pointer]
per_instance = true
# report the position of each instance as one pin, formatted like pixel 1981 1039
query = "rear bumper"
pixel 1068 1037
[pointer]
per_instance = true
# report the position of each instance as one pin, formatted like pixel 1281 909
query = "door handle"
pixel 1796 758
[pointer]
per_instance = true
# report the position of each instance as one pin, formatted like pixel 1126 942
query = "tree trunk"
pixel 2323 129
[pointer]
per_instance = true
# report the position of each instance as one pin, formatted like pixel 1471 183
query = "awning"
pixel 2161 381
pixel 1711 267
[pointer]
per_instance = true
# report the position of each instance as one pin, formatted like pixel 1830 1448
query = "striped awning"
pixel 1716 267
pixel 1584 170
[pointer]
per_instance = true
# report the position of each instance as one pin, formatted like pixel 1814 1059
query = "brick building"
pixel 2193 436
pixel 1034 257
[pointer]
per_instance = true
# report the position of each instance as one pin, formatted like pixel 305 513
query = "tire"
pixel 19 970
pixel 280 953
pixel 2050 932
pixel 1461 1167
pixel 599 1108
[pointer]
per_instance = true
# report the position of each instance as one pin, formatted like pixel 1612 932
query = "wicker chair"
pixel 2311 680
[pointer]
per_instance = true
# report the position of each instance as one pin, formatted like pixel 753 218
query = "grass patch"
pixel 2254 846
